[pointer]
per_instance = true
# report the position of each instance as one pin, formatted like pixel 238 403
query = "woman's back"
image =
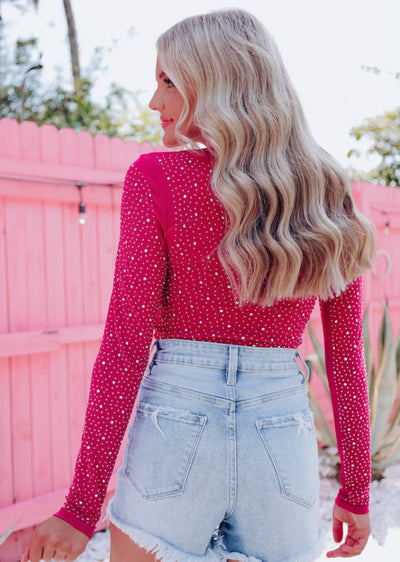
pixel 198 302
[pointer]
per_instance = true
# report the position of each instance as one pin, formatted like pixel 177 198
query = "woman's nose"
pixel 155 102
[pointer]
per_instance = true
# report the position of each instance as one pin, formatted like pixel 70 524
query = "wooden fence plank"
pixel 91 351
pixel 38 364
pixel 17 272
pixel 132 153
pixel 102 156
pixel 41 425
pixel 16 225
pixel 6 464
pixel 85 142
pixel 119 160
pixel 72 266
pixel 74 294
pixel 69 147
pixel 90 270
pixel 55 241
pixel 146 147
pixel 35 268
pixel 77 397
pixel 60 460
pixel 30 141
pixel 4 297
pixel 108 246
pixel 49 144
pixel 21 426
pixel 10 138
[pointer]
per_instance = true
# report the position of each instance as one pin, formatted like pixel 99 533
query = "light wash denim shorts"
pixel 222 459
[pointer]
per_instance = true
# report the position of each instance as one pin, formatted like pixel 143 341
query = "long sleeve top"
pixel 169 283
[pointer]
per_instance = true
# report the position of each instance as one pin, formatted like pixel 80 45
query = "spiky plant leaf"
pixel 324 433
pixel 385 334
pixel 313 365
pixel 387 455
pixel 369 360
pixel 382 393
pixel 394 425
pixel 398 360
pixel 384 388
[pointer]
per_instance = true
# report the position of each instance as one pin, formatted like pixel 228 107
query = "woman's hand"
pixel 54 539
pixel 359 529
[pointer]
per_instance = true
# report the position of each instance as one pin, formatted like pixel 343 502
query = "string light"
pixel 387 213
pixel 82 209
pixel 386 230
pixel 60 181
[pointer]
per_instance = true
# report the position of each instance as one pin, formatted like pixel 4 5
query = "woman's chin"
pixel 169 142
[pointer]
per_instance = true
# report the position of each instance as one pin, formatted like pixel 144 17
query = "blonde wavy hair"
pixel 292 227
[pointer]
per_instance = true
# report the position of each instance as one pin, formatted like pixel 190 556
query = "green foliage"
pixel 383 135
pixel 384 389
pixel 24 97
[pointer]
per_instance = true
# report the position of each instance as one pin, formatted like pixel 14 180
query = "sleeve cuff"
pixel 358 509
pixel 84 528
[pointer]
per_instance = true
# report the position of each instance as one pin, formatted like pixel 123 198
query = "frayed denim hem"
pixel 167 552
pixel 162 549
pixel 309 557
pixel 236 556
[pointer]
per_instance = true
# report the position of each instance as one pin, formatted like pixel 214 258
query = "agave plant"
pixel 384 389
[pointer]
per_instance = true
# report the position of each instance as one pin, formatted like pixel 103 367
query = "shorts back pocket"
pixel 161 448
pixel 292 448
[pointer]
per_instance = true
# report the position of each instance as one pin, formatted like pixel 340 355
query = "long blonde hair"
pixel 292 227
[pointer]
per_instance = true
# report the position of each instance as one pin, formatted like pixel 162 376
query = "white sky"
pixel 324 44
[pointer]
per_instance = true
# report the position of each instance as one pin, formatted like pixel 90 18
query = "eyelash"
pixel 169 82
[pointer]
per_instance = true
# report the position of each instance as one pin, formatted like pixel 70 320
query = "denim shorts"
pixel 221 460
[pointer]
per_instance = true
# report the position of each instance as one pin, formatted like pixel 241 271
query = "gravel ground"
pixel 383 546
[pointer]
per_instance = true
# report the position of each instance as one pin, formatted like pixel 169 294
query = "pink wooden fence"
pixel 55 283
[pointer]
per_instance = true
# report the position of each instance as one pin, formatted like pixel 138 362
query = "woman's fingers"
pixel 337 530
pixel 49 553
pixel 25 554
pixel 55 540
pixel 351 547
pixel 359 529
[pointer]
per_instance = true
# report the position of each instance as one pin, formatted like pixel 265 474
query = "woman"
pixel 223 252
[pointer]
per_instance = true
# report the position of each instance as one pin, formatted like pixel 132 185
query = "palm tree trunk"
pixel 73 46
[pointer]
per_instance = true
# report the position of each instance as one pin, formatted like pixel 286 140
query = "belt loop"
pixel 305 365
pixel 152 354
pixel 232 367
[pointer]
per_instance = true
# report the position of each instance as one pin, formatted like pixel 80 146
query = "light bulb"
pixel 82 213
